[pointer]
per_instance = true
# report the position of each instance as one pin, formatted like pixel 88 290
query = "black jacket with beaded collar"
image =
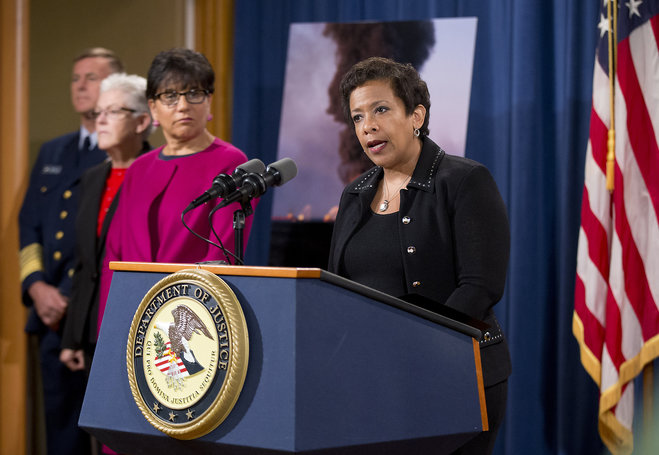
pixel 454 240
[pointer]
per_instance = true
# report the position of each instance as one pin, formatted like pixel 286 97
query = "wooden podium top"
pixel 278 272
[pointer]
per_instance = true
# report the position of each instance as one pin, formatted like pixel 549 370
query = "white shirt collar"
pixel 93 138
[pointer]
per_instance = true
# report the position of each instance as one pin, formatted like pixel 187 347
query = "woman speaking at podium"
pixel 421 221
pixel 160 184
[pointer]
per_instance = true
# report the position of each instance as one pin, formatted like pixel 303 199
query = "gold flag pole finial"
pixel 612 13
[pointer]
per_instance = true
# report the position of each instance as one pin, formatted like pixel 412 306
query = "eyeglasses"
pixel 194 96
pixel 113 113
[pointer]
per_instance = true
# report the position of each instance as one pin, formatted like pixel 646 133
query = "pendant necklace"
pixel 384 205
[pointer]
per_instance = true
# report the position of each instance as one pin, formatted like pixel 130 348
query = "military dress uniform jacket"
pixel 454 240
pixel 47 216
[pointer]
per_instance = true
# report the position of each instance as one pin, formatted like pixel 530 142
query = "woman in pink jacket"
pixel 160 184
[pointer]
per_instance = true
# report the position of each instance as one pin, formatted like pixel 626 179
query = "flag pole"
pixel 648 399
pixel 612 13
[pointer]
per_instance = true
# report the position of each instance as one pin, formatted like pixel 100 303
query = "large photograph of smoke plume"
pixel 313 131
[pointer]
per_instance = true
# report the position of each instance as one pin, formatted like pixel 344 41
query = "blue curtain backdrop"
pixel 528 123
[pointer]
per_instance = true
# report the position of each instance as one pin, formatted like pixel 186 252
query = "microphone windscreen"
pixel 287 169
pixel 252 166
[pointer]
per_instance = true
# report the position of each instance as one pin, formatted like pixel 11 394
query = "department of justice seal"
pixel 187 353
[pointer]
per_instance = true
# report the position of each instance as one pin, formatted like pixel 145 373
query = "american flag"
pixel 616 313
pixel 171 364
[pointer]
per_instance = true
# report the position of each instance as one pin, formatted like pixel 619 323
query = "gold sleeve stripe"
pixel 31 258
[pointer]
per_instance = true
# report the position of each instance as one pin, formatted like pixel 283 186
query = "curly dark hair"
pixel 401 41
pixel 404 79
pixel 184 68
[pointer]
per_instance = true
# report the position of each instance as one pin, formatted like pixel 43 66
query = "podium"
pixel 334 367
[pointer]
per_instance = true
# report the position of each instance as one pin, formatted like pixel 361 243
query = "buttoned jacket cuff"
pixel 27 282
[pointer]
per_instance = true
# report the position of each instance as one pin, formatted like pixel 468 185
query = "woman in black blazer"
pixel 123 123
pixel 422 222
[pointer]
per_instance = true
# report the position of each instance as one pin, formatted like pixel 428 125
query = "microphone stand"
pixel 239 228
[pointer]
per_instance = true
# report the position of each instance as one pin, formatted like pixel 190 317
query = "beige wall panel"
pixel 59 30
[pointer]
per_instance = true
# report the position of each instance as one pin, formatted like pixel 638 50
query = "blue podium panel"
pixel 330 371
pixel 368 373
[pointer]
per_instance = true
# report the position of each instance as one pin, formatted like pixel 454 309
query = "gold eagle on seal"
pixel 186 323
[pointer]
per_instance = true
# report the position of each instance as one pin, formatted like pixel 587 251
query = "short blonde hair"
pixel 113 60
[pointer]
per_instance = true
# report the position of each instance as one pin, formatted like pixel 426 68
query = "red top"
pixel 112 184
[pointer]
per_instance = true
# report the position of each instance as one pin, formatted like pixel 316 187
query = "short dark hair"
pixel 183 67
pixel 92 52
pixel 404 79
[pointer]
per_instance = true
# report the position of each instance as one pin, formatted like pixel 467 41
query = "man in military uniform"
pixel 46 223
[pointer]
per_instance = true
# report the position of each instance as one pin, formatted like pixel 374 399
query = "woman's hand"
pixel 73 359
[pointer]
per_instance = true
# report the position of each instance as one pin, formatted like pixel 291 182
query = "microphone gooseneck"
pixel 249 180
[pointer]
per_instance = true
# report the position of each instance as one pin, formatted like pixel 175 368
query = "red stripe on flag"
pixel 654 23
pixel 161 362
pixel 613 335
pixel 596 234
pixel 593 332
pixel 636 281
pixel 164 366
pixel 639 126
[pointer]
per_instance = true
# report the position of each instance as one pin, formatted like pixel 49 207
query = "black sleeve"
pixel 482 244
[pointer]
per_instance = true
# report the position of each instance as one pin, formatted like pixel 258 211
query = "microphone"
pixel 256 184
pixel 224 184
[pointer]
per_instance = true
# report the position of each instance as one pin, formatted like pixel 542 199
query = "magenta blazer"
pixel 147 224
